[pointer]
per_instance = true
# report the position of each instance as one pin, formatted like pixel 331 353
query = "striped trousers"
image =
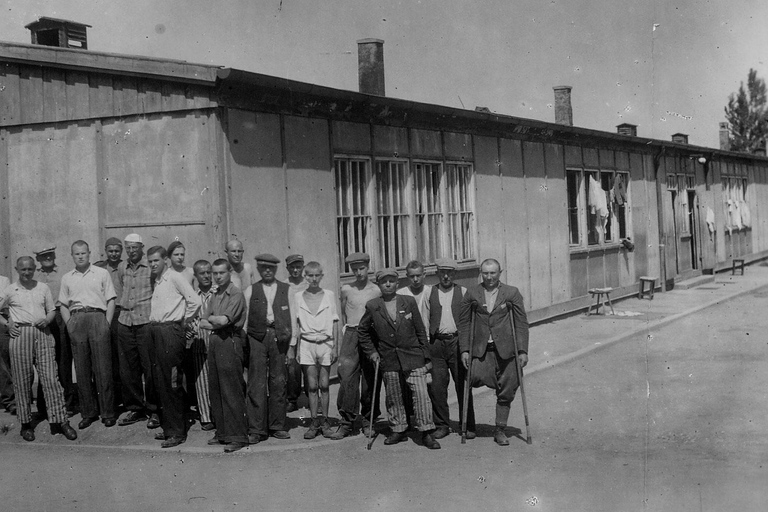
pixel 36 347
pixel 422 405
pixel 200 362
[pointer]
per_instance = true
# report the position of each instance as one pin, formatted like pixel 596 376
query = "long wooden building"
pixel 94 145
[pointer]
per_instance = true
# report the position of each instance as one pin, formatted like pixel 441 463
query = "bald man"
pixel 241 272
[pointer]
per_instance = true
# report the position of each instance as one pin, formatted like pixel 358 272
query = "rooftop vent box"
pixel 60 33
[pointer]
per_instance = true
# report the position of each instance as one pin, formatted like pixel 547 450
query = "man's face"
pixel 446 277
pixel 267 272
pixel 134 251
pixel 47 260
pixel 490 273
pixel 203 275
pixel 295 269
pixel 113 253
pixel 26 270
pixel 360 271
pixel 313 277
pixel 235 252
pixel 416 277
pixel 81 255
pixel 387 285
pixel 220 276
pixel 156 264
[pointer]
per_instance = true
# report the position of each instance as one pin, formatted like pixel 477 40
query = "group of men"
pixel 168 347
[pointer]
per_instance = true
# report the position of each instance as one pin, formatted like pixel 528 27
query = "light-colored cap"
pixel 386 272
pixel 446 264
pixel 134 238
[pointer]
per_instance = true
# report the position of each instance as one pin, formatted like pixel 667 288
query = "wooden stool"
pixel 598 293
pixel 643 291
pixel 737 265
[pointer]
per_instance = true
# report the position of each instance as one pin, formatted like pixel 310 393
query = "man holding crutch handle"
pixel 494 342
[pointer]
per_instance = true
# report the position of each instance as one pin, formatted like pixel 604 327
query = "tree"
pixel 747 114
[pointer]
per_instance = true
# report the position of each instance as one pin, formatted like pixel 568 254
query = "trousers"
pixel 92 351
pixel 169 345
pixel 357 386
pixel 499 374
pixel 416 381
pixel 201 377
pixel 136 360
pixel 266 403
pixel 7 395
pixel 444 354
pixel 227 388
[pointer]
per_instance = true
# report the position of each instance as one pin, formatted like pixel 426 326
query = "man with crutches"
pixel 488 313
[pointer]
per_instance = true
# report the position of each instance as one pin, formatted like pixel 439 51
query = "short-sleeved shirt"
pixel 27 306
pixel 317 326
pixel 136 301
pixel 228 302
pixel 293 289
pixel 356 300
pixel 422 300
pixel 113 273
pixel 52 279
pixel 90 289
pixel 173 299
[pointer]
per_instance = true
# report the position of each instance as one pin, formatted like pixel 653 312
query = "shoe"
pixel 109 422
pixel 63 428
pixel 441 432
pixel 256 438
pixel 153 421
pixel 326 429
pixel 12 410
pixel 366 430
pixel 313 430
pixel 341 432
pixel 71 413
pixel 27 433
pixel 291 407
pixel 233 447
pixel 396 437
pixel 280 434
pixel 86 422
pixel 429 441
pixel 206 426
pixel 172 441
pixel 500 437
pixel 214 441
pixel 471 434
pixel 160 436
pixel 131 418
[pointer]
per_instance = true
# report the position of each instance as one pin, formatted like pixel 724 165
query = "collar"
pixel 220 291
pixel 141 263
pixel 75 271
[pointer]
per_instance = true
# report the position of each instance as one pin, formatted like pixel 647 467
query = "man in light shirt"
pixel 87 299
pixel 173 307
pixel 241 271
pixel 31 309
pixel 416 288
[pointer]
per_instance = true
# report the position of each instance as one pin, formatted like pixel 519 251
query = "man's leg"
pixel 232 423
pixel 130 369
pixel 169 345
pixel 101 361
pixel 81 350
pixel 459 376
pixel 438 390
pixel 506 375
pixel 293 384
pixel 21 350
pixel 215 391
pixel 201 379
pixel 348 399
pixel 422 405
pixel 114 339
pixel 64 361
pixel 398 421
pixel 277 382
pixel 45 356
pixel 258 413
pixel 148 362
pixel 367 389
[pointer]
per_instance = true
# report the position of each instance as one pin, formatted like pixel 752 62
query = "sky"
pixel 667 66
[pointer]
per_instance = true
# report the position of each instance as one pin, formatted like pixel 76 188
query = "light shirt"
pixel 296 288
pixel 317 326
pixel 27 306
pixel 137 292
pixel 90 289
pixel 422 300
pixel 113 271
pixel 355 301
pixel 52 279
pixel 173 299
pixel 270 290
pixel 4 283
pixel 243 279
pixel 447 322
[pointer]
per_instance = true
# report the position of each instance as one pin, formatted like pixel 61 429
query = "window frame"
pixel 581 231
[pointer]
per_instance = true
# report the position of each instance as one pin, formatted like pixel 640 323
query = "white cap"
pixel 133 237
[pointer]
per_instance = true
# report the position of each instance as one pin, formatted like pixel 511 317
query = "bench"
pixel 737 265
pixel 652 282
pixel 598 293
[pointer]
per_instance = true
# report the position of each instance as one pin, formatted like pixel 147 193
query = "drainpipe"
pixel 660 207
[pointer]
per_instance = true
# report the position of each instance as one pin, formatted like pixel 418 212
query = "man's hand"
pixel 375 358
pixel 334 355
pixel 465 359
pixel 291 354
pixel 205 324
pixel 523 360
pixel 13 330
pixel 41 324
pixel 429 378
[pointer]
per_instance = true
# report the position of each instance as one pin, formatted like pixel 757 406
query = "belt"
pixel 303 338
pixel 175 322
pixel 491 346
pixel 23 324
pixel 87 310
pixel 271 326
pixel 444 336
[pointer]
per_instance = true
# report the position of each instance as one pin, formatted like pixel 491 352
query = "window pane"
pixel 352 216
pixel 573 206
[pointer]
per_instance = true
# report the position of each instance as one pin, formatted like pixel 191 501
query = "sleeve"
pixel 465 320
pixel 192 299
pixel 235 310
pixel 64 291
pixel 332 302
pixel 109 288
pixel 521 322
pixel 364 330
pixel 48 302
pixel 294 310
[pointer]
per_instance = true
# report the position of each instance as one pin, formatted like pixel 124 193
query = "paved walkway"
pixel 552 343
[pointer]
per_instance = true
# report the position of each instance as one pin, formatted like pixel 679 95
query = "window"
pixel 737 215
pixel 400 212
pixel 597 206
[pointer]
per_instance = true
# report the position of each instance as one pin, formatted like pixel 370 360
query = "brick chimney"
pixel 563 109
pixel 725 137
pixel 370 66
pixel 680 138
pixel 630 130
pixel 57 32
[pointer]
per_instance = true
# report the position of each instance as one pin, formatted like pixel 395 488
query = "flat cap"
pixel 446 264
pixel 45 251
pixel 386 272
pixel 113 241
pixel 293 258
pixel 133 238
pixel 357 257
pixel 267 259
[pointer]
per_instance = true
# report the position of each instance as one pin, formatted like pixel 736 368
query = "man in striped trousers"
pixel 205 290
pixel 391 333
pixel 31 309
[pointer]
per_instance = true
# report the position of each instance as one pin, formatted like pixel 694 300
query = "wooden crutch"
pixel 519 374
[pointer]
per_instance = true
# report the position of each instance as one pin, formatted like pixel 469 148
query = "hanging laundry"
pixel 710 221
pixel 619 190
pixel 746 217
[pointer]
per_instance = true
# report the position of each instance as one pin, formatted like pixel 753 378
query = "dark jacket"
pixel 402 344
pixel 494 323
pixel 436 310
pixel 257 313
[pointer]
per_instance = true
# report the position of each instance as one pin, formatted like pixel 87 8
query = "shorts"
pixel 311 354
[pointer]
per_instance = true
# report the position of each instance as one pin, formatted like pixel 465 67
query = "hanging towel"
pixel 710 220
pixel 746 218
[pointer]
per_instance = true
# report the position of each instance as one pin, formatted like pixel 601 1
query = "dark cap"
pixel 45 251
pixel 357 257
pixel 387 272
pixel 267 259
pixel 293 258
pixel 446 264
pixel 113 241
